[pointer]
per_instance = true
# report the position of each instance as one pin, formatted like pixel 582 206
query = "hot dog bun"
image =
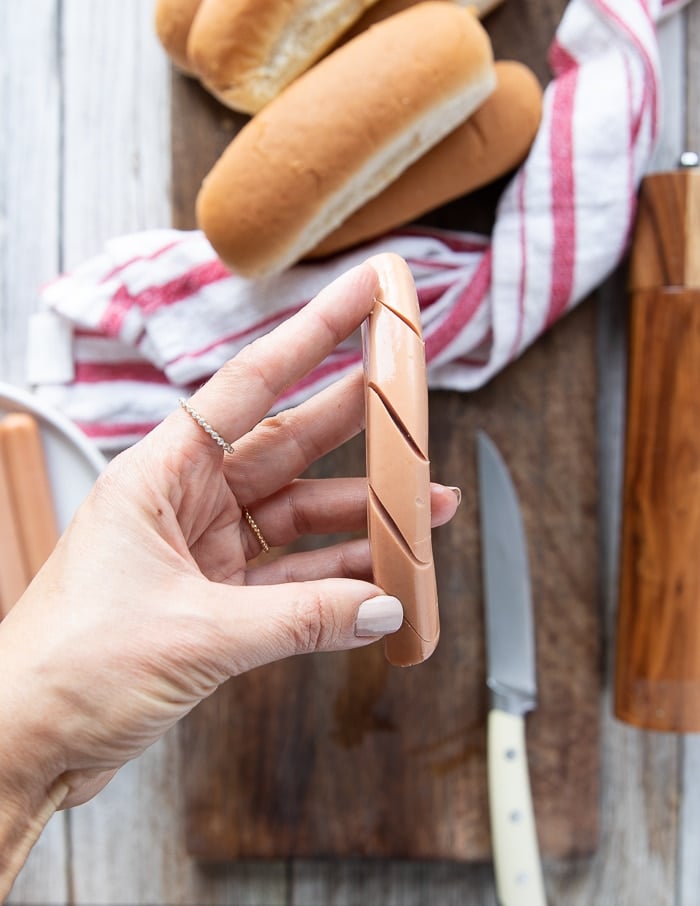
pixel 493 141
pixel 341 133
pixel 173 21
pixel 246 51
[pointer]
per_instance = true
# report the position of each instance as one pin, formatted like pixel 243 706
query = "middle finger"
pixel 283 446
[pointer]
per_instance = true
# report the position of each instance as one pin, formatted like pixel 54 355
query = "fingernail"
pixel 378 615
pixel 457 493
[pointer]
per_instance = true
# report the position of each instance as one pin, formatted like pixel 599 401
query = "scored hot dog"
pixel 341 133
pixel 398 468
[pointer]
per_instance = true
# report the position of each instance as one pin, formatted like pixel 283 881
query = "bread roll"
pixel 398 469
pixel 173 20
pixel 341 133
pixel 494 140
pixel 246 51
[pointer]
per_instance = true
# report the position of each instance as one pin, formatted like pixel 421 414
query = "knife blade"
pixel 511 678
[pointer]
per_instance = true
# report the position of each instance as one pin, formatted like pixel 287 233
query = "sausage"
pixel 398 468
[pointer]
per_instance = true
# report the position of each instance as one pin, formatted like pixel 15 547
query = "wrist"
pixel 23 816
pixel 30 786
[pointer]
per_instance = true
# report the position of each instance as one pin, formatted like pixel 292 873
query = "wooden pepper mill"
pixel 657 679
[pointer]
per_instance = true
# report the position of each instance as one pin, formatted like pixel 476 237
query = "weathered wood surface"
pixel 59 203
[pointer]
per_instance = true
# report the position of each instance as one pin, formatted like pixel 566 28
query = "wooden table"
pixel 85 155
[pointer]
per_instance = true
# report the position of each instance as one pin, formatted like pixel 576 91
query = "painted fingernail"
pixel 457 493
pixel 378 615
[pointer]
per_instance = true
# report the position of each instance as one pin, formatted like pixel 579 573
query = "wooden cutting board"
pixel 341 754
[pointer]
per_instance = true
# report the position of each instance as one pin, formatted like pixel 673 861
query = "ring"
pixel 205 424
pixel 256 531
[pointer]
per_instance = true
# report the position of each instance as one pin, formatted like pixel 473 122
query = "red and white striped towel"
pixel 157 313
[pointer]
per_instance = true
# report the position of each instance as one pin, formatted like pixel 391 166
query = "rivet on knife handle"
pixel 657 682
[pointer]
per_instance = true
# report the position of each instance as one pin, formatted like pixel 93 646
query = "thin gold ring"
pixel 256 531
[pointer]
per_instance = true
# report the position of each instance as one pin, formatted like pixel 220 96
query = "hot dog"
pixel 398 468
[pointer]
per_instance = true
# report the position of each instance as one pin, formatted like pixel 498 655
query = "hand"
pixel 153 596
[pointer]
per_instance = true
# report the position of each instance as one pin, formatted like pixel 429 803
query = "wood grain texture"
pixel 658 651
pixel 14 575
pixel 29 171
pixel 32 497
pixel 665 251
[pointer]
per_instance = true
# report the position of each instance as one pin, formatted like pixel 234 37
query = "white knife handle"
pixel 514 838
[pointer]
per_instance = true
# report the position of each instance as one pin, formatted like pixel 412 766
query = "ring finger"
pixel 313 506
pixel 326 506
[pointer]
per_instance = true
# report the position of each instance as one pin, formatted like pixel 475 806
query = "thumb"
pixel 261 624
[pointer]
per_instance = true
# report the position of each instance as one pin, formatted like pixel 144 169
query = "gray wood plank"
pixel 348 883
pixel 689 835
pixel 116 149
pixel 672 50
pixel 692 83
pixel 29 165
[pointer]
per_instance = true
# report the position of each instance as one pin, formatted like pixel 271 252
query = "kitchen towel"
pixel 157 313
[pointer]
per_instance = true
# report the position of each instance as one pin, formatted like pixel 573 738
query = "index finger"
pixel 244 389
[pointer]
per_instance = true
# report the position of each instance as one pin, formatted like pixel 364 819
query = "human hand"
pixel 151 600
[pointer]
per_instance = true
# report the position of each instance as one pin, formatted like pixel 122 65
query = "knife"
pixel 511 677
